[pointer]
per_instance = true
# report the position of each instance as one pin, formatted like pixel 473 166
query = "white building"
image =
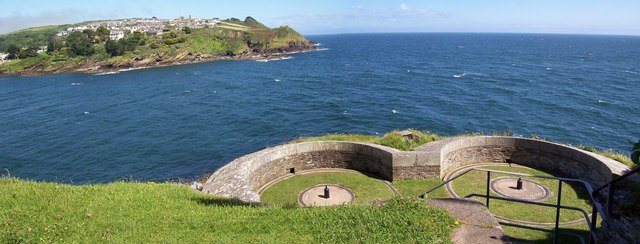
pixel 116 35
pixel 42 49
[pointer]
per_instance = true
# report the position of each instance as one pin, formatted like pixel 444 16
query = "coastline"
pixel 141 63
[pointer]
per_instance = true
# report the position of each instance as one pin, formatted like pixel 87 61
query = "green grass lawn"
pixel 147 212
pixel 415 188
pixel 365 188
pixel 513 210
pixel 572 195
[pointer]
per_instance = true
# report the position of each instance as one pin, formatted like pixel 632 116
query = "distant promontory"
pixel 114 45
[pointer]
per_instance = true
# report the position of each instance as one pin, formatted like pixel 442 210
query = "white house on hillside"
pixel 116 35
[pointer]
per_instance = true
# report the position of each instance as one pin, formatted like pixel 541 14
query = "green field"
pixel 366 189
pixel 168 213
pixel 572 195
pixel 285 193
pixel 415 188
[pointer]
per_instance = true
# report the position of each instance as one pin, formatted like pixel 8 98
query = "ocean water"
pixel 184 122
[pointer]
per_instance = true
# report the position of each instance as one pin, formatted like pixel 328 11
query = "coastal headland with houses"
pixel 107 46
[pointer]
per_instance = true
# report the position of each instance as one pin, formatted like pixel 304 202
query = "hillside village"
pixel 119 28
pixel 150 26
pixel 113 45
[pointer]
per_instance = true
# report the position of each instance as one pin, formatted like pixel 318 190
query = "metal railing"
pixel 612 189
pixel 597 208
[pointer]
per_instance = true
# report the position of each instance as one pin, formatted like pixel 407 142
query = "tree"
pixel 130 43
pixel 28 52
pixel 186 30
pixel 103 33
pixel 54 44
pixel 138 38
pixel 80 44
pixel 13 51
pixel 102 30
pixel 91 34
pixel 113 48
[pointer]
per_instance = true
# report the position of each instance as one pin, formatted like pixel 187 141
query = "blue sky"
pixel 335 16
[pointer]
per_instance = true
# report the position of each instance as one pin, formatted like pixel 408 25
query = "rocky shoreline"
pixel 162 60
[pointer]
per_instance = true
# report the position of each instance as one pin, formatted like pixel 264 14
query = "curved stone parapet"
pixel 243 177
pixel 558 159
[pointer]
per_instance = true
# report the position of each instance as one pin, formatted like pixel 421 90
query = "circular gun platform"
pixel 531 190
pixel 314 196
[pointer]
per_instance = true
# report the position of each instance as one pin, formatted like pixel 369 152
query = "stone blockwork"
pixel 243 177
pixel 560 160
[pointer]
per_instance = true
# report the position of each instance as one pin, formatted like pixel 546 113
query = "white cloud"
pixel 404 7
pixel 361 19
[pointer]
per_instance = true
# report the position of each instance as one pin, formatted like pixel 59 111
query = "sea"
pixel 181 123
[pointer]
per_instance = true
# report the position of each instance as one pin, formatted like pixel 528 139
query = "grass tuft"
pixel 622 158
pixel 392 139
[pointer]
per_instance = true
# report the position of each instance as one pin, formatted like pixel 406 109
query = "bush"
pixel 392 139
pixel 154 45
pixel 395 140
pixel 588 148
pixel 172 38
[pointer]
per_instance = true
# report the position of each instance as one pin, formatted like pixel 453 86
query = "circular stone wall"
pixel 560 160
pixel 244 176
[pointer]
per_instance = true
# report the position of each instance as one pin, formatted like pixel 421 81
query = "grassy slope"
pixel 140 213
pixel 415 188
pixel 35 36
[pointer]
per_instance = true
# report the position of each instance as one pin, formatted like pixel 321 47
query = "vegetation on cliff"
pixel 392 139
pixel 93 51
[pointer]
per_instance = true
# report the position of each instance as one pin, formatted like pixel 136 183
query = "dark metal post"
pixel 488 182
pixel 594 218
pixel 612 190
pixel 326 192
pixel 555 233
pixel 519 184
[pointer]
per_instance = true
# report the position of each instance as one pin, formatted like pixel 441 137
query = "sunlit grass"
pixel 146 212
pixel 365 188
pixel 572 195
